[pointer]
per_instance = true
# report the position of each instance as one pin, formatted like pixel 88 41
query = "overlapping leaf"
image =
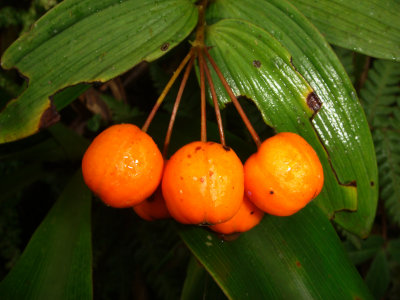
pixel 298 257
pixel 338 130
pixel 371 27
pixel 87 41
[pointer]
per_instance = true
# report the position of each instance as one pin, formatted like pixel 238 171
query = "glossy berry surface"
pixel 245 219
pixel 153 208
pixel 203 183
pixel 283 175
pixel 123 166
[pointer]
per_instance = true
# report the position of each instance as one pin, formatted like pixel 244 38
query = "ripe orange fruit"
pixel 203 183
pixel 123 165
pixel 283 175
pixel 153 208
pixel 245 219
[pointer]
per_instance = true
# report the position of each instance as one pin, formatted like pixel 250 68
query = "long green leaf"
pixel 371 27
pixel 297 257
pixel 57 262
pixel 86 41
pixel 338 130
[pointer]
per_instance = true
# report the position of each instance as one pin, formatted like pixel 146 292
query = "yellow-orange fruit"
pixel 123 166
pixel 153 208
pixel 245 219
pixel 203 183
pixel 283 175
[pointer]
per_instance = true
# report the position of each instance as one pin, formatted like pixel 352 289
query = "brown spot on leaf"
pixel 164 47
pixel 298 264
pixel 313 102
pixel 49 117
pixel 256 63
pixel 372 183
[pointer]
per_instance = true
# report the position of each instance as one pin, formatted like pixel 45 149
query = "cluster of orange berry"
pixel 203 183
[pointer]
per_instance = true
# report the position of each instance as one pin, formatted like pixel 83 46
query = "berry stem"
pixel 215 101
pixel 166 90
pixel 202 96
pixel 176 105
pixel 239 108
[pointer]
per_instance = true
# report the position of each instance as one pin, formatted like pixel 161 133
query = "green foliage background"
pixel 133 258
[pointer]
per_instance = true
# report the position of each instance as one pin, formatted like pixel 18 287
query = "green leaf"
pixel 66 96
pixel 338 131
pixel 371 27
pixel 297 257
pixel 367 250
pixel 378 276
pixel 86 41
pixel 199 285
pixel 57 261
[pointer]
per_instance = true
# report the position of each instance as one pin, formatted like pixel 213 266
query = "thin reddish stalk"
pixel 166 90
pixel 176 105
pixel 203 97
pixel 215 101
pixel 239 108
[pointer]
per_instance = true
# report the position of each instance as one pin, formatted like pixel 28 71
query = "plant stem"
pixel 239 108
pixel 166 90
pixel 203 97
pixel 176 105
pixel 215 101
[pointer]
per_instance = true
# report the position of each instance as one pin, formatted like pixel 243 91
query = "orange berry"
pixel 153 208
pixel 123 165
pixel 283 175
pixel 245 219
pixel 203 183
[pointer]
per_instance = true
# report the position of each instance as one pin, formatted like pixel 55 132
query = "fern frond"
pixel 380 91
pixel 381 99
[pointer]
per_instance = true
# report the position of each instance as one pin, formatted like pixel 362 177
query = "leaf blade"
pixel 87 41
pixel 275 261
pixel 369 27
pixel 56 263
pixel 340 124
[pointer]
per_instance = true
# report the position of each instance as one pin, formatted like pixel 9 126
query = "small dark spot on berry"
pixel 252 212
pixel 226 148
pixel 256 63
pixel 164 47
pixel 197 148
pixel 189 156
pixel 181 178
pixel 271 192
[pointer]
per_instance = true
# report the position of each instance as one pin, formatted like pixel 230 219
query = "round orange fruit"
pixel 123 166
pixel 203 183
pixel 245 219
pixel 283 175
pixel 153 208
